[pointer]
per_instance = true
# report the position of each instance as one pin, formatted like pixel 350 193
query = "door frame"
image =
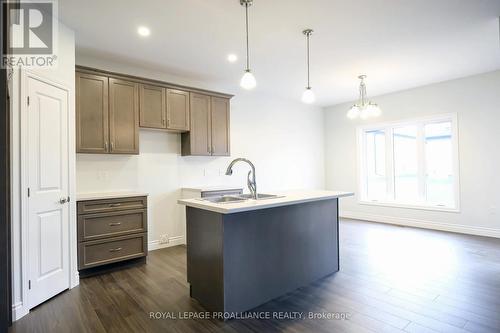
pixel 5 214
pixel 73 277
pixel 5 183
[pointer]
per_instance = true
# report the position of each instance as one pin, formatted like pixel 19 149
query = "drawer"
pixel 105 225
pixel 100 252
pixel 208 194
pixel 109 205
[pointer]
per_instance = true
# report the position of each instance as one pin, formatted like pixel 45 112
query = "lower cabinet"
pixel 111 231
pixel 106 251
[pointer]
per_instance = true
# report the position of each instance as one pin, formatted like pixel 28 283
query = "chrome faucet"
pixel 251 183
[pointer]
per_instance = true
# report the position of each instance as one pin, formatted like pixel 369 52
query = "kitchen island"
pixel 243 254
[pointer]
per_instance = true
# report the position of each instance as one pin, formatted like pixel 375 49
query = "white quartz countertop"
pixel 285 199
pixel 211 188
pixel 108 195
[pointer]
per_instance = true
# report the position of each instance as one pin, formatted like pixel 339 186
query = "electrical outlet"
pixel 163 239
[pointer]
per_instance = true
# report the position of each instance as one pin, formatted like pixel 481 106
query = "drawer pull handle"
pixel 115 250
pixel 115 205
pixel 113 224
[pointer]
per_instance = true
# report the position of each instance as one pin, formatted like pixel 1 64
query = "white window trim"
pixel 360 143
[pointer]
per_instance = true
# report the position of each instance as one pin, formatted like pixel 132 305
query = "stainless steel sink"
pixel 260 196
pixel 224 199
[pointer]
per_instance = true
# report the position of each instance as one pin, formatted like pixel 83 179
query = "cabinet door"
pixel 198 140
pixel 152 106
pixel 220 126
pixel 123 117
pixel 177 110
pixel 92 129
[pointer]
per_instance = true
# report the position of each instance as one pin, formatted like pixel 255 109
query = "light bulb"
pixel 373 110
pixel 308 96
pixel 353 112
pixel 248 80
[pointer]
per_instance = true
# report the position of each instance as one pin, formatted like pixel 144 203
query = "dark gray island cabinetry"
pixel 241 255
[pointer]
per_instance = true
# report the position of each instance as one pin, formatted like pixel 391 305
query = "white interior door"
pixel 48 210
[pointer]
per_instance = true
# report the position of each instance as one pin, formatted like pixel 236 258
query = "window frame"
pixel 388 128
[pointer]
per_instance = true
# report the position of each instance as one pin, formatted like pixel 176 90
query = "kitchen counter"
pixel 241 255
pixel 108 195
pixel 284 199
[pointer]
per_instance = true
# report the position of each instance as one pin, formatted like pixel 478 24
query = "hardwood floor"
pixel 392 279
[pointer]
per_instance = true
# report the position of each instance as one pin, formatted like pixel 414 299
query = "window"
pixel 410 164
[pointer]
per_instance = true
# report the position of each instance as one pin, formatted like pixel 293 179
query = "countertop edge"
pixel 108 195
pixel 219 208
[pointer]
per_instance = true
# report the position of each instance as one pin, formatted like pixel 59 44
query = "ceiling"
pixel 399 44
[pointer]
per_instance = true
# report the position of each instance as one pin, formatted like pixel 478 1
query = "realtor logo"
pixel 33 33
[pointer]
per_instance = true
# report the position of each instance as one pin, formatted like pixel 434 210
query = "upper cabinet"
pixel 209 132
pixel 152 106
pixel 164 108
pixel 219 121
pixel 123 117
pixel 177 110
pixel 107 115
pixel 111 107
pixel 92 129
pixel 198 140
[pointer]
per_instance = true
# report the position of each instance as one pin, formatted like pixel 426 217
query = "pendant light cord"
pixel 246 25
pixel 308 75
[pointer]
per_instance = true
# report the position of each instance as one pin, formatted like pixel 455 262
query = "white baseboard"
pixel 172 241
pixel 463 229
pixel 18 311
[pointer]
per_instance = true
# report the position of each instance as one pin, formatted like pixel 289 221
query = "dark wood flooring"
pixel 392 279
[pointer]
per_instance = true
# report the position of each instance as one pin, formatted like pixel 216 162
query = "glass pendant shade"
pixel 364 114
pixel 248 80
pixel 373 110
pixel 308 96
pixel 353 112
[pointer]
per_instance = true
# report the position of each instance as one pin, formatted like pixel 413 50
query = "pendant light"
pixel 308 95
pixel 363 108
pixel 248 80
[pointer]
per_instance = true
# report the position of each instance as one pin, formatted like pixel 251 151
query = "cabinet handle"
pixel 115 205
pixel 115 250
pixel 113 224
pixel 106 146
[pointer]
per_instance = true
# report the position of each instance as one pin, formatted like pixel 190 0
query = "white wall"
pixel 63 74
pixel 284 139
pixel 476 100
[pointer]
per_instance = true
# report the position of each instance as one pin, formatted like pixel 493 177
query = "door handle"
pixel 62 201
